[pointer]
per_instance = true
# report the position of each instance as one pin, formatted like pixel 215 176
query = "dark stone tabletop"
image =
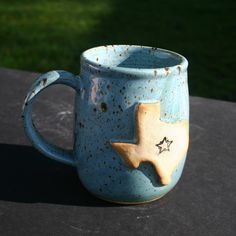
pixel 41 197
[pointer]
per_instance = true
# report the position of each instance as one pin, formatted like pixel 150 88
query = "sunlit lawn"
pixel 45 35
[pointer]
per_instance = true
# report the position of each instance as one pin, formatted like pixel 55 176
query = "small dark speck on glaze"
pixel 44 81
pixel 103 107
pixel 100 189
pixel 179 69
pixel 108 86
pixel 120 108
pixel 113 158
pixel 167 71
pixel 155 74
pixel 97 59
pixel 120 55
pixel 151 90
pixel 94 109
pixel 81 125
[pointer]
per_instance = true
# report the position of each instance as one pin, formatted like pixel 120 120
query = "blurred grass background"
pixel 45 35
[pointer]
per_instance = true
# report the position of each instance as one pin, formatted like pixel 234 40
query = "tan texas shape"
pixel 160 143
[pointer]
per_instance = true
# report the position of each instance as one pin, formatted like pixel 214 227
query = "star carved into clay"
pixel 149 129
pixel 164 145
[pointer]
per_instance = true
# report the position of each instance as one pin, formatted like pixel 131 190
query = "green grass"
pixel 45 35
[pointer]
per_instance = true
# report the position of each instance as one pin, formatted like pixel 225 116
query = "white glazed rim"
pixel 159 72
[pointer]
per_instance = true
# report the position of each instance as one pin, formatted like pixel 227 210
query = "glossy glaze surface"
pixel 106 112
pixel 113 81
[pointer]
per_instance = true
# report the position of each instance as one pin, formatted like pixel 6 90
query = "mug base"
pixel 130 203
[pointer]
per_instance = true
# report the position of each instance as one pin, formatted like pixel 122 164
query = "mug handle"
pixel 44 81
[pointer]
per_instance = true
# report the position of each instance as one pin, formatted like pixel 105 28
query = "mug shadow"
pixel 29 177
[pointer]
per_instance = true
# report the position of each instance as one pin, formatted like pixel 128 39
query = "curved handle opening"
pixel 44 81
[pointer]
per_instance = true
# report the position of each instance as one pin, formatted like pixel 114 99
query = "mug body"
pixel 114 81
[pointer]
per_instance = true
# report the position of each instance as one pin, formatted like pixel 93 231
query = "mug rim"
pixel 158 71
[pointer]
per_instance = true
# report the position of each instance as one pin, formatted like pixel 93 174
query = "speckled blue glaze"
pixel 113 80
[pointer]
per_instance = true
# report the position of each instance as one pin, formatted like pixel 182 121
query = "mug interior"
pixel 131 56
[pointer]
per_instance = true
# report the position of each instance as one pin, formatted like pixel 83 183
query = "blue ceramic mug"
pixel 130 125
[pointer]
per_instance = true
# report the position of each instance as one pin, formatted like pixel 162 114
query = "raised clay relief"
pixel 160 143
